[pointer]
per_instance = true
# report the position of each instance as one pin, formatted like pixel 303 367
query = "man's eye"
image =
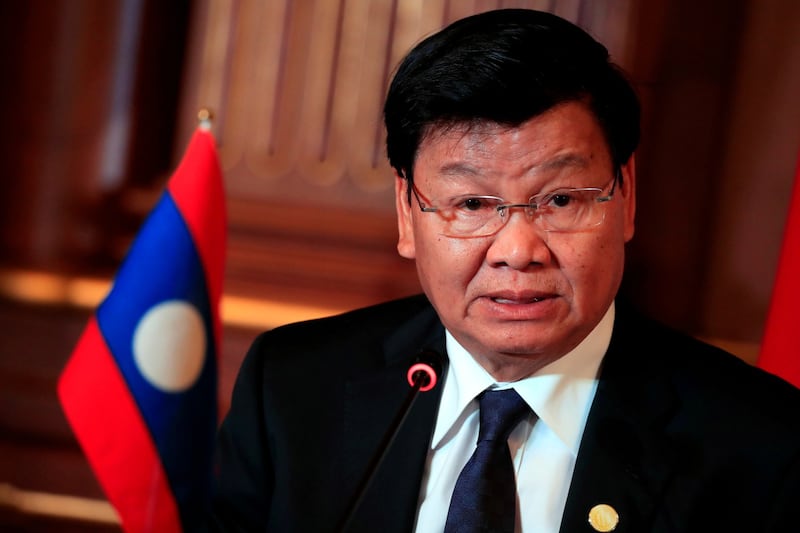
pixel 560 200
pixel 473 203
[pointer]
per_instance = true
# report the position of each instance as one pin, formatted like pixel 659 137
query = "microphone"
pixel 422 376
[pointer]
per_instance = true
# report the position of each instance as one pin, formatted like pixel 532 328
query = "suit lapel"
pixel 625 460
pixel 372 403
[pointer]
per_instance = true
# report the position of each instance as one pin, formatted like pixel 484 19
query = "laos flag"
pixel 140 389
pixel 780 347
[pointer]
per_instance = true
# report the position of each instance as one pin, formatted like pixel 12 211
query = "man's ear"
pixel 627 192
pixel 405 227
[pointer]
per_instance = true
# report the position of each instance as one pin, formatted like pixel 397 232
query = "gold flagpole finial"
pixel 204 118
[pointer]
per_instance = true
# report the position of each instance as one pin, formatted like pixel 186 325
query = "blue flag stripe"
pixel 163 265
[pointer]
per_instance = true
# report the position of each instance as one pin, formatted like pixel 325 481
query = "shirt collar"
pixel 560 393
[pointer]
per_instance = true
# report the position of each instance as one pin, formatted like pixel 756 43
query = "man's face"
pixel 523 297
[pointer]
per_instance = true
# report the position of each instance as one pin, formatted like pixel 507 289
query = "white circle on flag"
pixel 169 345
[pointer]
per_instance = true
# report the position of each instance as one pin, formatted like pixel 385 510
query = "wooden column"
pixel 89 94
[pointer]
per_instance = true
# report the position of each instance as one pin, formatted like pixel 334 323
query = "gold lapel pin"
pixel 603 517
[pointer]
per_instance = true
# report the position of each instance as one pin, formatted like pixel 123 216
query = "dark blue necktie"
pixel 485 495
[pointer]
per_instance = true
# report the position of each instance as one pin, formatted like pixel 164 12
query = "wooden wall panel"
pixel 88 114
pixel 759 155
pixel 685 73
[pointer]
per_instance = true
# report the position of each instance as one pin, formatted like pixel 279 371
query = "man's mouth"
pixel 519 299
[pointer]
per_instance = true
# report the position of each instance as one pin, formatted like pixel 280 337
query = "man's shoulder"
pixel 706 377
pixel 354 332
pixel 374 318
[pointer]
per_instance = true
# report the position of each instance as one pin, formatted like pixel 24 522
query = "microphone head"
pixel 425 371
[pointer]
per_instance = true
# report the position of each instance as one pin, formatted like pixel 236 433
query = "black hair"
pixel 506 67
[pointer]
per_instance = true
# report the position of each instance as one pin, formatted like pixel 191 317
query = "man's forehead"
pixel 485 126
pixel 566 136
pixel 454 145
pixel 458 130
pixel 467 151
pixel 458 168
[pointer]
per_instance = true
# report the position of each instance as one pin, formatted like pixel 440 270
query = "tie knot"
pixel 500 412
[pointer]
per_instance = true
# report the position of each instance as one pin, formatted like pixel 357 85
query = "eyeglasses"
pixel 558 210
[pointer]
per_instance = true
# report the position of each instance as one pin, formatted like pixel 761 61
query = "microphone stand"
pixel 419 380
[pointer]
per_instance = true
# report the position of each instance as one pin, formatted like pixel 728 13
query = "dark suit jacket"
pixel 681 436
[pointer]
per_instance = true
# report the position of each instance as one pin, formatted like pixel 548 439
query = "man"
pixel 512 136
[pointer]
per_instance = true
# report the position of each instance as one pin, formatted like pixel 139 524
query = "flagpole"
pixel 205 119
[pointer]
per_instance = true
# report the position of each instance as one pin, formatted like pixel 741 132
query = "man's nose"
pixel 520 242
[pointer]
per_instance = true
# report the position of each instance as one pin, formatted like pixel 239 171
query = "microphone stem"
pixel 380 453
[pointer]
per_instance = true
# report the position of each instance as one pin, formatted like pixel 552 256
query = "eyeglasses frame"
pixel 533 203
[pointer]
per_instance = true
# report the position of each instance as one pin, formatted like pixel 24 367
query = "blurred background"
pixel 100 97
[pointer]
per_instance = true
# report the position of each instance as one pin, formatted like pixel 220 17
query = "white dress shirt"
pixel 544 446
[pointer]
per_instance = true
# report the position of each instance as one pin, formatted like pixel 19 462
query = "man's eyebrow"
pixel 565 160
pixel 458 168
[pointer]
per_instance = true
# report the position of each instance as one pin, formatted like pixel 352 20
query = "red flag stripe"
pixel 197 190
pixel 780 348
pixel 105 418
